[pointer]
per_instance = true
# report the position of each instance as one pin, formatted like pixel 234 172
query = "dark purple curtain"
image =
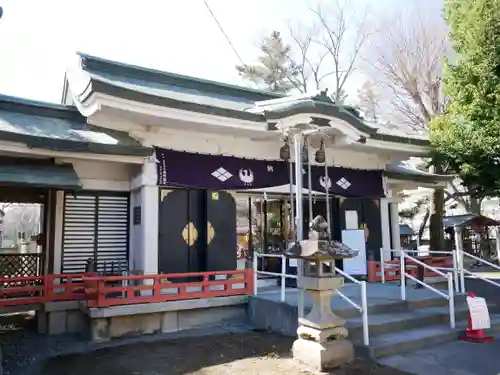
pixel 217 172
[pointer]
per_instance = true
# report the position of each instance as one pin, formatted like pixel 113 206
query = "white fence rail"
pixel 283 275
pixel 451 293
pixel 362 307
pixel 470 274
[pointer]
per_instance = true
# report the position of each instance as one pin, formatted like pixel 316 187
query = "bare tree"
pixel 328 51
pixel 369 100
pixel 407 58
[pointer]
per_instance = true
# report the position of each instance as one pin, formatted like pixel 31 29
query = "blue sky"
pixel 38 38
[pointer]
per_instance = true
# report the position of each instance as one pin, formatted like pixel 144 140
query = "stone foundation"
pixel 62 317
pixel 102 324
pixel 167 317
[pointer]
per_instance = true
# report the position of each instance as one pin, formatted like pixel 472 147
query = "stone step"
pixel 399 321
pixel 400 342
pixel 420 366
pixel 397 305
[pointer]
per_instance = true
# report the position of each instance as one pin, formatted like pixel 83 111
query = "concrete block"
pixel 148 308
pixel 170 322
pixel 1 361
pixel 274 316
pixel 75 322
pixel 214 316
pixel 41 322
pixel 130 325
pixel 57 322
pixel 99 329
pixel 62 306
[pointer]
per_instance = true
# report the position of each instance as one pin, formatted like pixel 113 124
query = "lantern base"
pixel 323 356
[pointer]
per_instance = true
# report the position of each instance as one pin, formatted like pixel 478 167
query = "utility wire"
pixel 236 52
pixel 224 33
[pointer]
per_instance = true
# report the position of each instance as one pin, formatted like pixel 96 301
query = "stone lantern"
pixel 322 338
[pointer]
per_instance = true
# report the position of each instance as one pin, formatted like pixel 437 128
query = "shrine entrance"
pixel 197 231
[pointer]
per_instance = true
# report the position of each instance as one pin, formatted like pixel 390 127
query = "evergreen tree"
pixel 276 70
pixel 368 100
pixel 467 135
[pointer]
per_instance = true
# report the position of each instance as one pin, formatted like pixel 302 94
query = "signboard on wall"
pixel 355 239
pixel 137 215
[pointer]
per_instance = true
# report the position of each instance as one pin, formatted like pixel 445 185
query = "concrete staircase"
pixel 407 326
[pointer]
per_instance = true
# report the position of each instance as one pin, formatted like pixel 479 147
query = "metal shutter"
pixel 112 231
pixel 95 226
pixel 78 232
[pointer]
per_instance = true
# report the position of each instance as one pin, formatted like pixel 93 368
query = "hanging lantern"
pixel 320 155
pixel 305 154
pixel 285 151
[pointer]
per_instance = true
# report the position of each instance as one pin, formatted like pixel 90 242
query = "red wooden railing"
pixel 392 269
pixel 27 290
pixel 163 288
pixel 105 291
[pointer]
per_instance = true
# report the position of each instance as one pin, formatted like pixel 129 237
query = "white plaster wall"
pixel 259 149
pixel 101 175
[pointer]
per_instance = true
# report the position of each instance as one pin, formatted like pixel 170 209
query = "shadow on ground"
pixel 232 353
pixel 179 356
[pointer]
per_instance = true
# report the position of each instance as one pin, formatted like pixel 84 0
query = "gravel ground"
pixel 249 353
pixel 23 349
pixel 218 351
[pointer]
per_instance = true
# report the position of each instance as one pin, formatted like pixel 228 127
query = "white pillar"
pixel 386 228
pixel 396 238
pixel 149 228
pixel 145 252
pixel 497 243
pixel 459 249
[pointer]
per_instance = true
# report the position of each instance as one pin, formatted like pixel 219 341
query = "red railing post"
pixel 205 288
pixel 249 281
pixel 48 288
pixel 100 293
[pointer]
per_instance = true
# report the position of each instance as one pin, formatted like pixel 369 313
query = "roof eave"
pixel 67 145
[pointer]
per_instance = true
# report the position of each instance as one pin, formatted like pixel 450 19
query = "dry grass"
pixel 235 354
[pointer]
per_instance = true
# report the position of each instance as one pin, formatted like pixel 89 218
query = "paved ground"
pixel 455 358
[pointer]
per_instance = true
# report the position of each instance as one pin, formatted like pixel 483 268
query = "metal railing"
pixel 455 269
pixel 463 271
pixel 362 308
pixel 283 275
pixel 382 262
pixel 451 294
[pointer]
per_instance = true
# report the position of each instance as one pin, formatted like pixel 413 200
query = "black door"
pixel 175 233
pixel 197 231
pixel 373 228
pixel 220 231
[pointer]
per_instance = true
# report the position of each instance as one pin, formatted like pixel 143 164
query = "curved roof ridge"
pixel 134 71
pixel 38 107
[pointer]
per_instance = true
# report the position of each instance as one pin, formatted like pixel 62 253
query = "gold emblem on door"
pixel 210 232
pixel 190 234
pixel 364 226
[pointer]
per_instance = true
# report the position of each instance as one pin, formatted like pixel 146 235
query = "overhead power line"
pixel 224 33
pixel 236 51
